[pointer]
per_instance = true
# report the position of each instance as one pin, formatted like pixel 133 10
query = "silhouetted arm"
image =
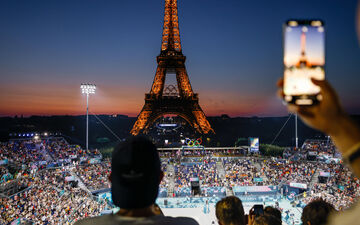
pixel 329 117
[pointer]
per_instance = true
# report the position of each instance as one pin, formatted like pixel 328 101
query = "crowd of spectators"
pixel 60 149
pixel 39 186
pixel 202 153
pixel 279 170
pixel 203 168
pixel 168 175
pixel 32 190
pixel 314 150
pixel 341 188
pixel 320 146
pixel 20 151
pixel 21 158
pixel 94 176
pixel 50 200
pixel 18 161
pixel 240 172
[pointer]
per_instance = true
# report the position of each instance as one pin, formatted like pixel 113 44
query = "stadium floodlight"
pixel 87 89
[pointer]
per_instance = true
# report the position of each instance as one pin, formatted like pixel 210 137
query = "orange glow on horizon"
pixel 46 100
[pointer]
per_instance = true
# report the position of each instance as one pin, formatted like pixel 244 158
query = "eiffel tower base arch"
pixel 186 108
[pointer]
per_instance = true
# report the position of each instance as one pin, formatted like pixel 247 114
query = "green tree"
pixel 107 151
pixel 241 141
pixel 271 150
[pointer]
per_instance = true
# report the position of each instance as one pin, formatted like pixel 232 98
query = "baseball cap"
pixel 135 174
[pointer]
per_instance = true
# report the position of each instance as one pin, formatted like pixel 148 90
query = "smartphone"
pixel 304 58
pixel 258 210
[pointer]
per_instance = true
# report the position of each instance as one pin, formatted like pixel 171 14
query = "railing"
pixel 26 189
pixel 301 196
pixel 13 187
pixel 22 221
pixel 79 179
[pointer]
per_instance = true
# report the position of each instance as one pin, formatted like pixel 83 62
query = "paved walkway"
pixel 80 182
pixel 171 176
pixel 314 179
pixel 221 171
pixel 258 166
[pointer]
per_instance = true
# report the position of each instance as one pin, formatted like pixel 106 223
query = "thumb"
pixel 321 83
pixel 325 87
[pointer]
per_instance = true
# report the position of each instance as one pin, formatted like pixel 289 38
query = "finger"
pixel 280 82
pixel 320 83
pixel 325 87
pixel 280 93
pixel 252 218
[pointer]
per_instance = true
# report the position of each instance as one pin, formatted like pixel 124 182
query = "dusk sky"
pixel 233 49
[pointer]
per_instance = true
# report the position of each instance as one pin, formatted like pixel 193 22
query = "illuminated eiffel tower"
pixel 303 62
pixel 171 59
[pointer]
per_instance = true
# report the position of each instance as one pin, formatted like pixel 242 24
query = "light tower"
pixel 87 89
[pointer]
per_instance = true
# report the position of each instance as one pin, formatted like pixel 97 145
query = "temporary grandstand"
pixel 48 172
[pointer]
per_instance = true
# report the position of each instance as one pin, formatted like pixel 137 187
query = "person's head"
pixel 266 220
pixel 271 211
pixel 230 211
pixel 316 212
pixel 135 174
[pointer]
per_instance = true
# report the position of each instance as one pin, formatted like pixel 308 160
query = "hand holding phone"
pixel 255 211
pixel 249 219
pixel 304 58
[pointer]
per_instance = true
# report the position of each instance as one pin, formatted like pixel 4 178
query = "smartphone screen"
pixel 304 58
pixel 258 210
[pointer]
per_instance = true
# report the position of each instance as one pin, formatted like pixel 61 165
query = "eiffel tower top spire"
pixel 171 33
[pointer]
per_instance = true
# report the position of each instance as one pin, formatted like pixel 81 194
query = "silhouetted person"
pixel 316 212
pixel 135 178
pixel 230 211
pixel 266 220
pixel 273 212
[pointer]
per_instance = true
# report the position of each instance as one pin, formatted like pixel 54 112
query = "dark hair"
pixel 266 220
pixel 273 212
pixel 230 210
pixel 317 212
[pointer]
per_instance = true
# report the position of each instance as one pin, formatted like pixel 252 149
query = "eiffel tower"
pixel 186 103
